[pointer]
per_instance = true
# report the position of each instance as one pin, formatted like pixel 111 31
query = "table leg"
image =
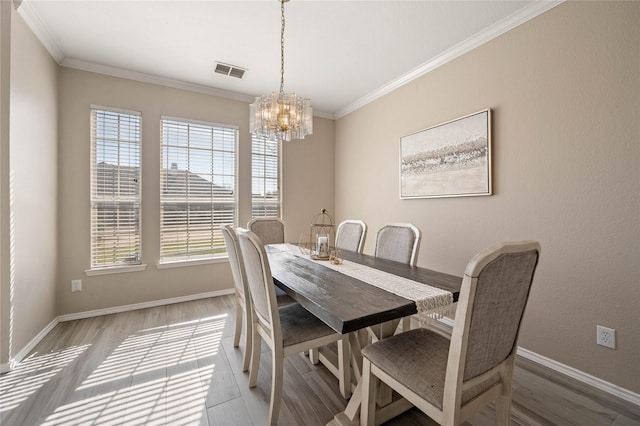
pixel 356 355
pixel 350 415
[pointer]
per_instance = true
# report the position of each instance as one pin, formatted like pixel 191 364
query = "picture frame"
pixel 451 159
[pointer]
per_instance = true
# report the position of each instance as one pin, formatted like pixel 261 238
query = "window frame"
pixel 187 259
pixel 264 142
pixel 124 265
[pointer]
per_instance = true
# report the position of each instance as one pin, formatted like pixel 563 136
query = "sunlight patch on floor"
pixel 32 373
pixel 180 397
pixel 156 376
pixel 159 347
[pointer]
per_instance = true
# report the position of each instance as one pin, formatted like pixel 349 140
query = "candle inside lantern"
pixel 323 245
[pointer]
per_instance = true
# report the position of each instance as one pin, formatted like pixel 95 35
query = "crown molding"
pixel 154 79
pixel 40 29
pixel 486 35
pixel 163 81
pixel 322 114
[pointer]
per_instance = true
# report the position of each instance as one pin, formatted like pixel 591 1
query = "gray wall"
pixel 565 92
pixel 33 190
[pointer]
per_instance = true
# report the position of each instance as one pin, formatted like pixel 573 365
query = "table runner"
pixel 429 300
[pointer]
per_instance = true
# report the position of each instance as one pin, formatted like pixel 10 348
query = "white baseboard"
pixel 571 372
pixel 143 305
pixel 13 361
pixel 17 359
pixel 581 376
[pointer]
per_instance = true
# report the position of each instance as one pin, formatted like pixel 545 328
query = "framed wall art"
pixel 452 159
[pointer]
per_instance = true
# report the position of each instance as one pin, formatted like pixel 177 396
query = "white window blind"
pixel 198 188
pixel 115 187
pixel 265 177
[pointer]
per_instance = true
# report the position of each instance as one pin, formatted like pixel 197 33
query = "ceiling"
pixel 340 54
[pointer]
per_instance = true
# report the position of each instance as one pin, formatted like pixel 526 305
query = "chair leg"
pixel 248 341
pixel 255 357
pixel 503 409
pixel 239 310
pixel 368 404
pixel 277 377
pixel 344 367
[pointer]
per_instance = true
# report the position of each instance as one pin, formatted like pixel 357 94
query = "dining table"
pixel 355 294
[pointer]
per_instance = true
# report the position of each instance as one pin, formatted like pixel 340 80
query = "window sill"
pixel 115 270
pixel 191 262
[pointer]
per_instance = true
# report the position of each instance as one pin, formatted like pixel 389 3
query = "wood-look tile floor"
pixel 176 365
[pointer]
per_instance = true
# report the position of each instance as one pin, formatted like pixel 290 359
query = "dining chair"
pixel 287 330
pixel 399 242
pixel 243 309
pixel 451 378
pixel 269 229
pixel 350 235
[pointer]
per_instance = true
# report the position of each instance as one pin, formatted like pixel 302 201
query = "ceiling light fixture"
pixel 281 116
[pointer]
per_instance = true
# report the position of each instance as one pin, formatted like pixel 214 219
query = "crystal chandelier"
pixel 281 116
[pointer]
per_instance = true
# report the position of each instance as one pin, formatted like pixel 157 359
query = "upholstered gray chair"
pixel 351 235
pixel 450 379
pixel 398 242
pixel 287 330
pixel 243 309
pixel 270 230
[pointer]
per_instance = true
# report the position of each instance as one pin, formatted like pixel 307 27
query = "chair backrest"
pixel 351 235
pixel 260 282
pixel 493 297
pixel 235 259
pixel 399 242
pixel 270 230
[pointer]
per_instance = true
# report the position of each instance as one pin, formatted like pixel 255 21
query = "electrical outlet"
pixel 606 337
pixel 76 285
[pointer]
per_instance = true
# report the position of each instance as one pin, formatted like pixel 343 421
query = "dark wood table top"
pixel 344 303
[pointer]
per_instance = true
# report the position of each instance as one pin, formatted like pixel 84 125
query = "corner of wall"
pixel 5 292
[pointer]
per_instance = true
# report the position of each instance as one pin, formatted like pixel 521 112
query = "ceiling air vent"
pixel 230 70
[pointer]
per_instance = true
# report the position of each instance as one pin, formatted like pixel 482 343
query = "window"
pixel 265 177
pixel 198 188
pixel 115 187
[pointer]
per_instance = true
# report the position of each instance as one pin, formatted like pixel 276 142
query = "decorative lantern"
pixel 321 236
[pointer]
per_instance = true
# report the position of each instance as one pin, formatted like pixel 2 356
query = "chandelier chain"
pixel 282 47
pixel 281 116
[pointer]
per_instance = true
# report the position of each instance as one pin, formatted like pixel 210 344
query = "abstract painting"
pixel 452 159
